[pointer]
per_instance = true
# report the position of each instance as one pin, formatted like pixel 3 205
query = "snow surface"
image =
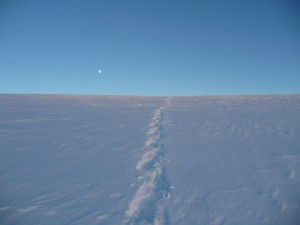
pixel 218 160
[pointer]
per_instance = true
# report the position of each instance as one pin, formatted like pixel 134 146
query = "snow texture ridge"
pixel 148 206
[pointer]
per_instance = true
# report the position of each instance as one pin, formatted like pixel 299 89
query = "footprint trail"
pixel 148 205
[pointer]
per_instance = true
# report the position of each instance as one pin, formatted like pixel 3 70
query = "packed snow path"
pixel 148 203
pixel 222 160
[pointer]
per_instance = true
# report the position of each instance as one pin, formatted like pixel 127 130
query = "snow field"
pixel 232 160
pixel 215 160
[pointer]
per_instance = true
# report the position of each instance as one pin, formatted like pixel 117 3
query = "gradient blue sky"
pixel 150 47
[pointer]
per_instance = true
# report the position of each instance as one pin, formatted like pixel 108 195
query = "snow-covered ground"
pixel 223 160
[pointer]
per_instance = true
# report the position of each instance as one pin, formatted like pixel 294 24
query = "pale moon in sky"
pixel 99 71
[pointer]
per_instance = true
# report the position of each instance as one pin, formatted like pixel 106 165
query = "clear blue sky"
pixel 150 47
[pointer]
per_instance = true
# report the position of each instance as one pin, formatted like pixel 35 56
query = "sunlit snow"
pixel 215 160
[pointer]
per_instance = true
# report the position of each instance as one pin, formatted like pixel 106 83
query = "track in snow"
pixel 148 206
